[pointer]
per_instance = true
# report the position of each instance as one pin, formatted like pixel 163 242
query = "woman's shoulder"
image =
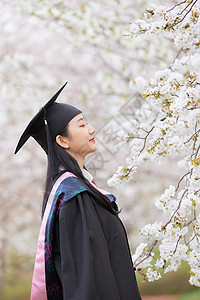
pixel 69 185
pixel 67 177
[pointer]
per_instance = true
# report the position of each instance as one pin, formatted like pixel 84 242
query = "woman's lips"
pixel 92 140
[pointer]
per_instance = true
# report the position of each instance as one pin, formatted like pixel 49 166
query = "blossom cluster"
pixel 180 23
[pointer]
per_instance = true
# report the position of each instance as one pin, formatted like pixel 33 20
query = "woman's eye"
pixel 84 125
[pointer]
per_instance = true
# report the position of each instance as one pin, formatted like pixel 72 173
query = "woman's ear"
pixel 62 141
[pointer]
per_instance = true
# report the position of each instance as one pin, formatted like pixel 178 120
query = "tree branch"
pixel 145 139
pixel 177 244
pixel 195 155
pixel 190 240
pixel 175 210
pixel 177 55
pixel 192 136
pixel 187 6
pixel 195 234
pixel 187 224
pixel 176 6
pixel 147 253
pixel 178 22
pixel 181 180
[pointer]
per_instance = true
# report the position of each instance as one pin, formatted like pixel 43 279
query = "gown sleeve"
pixel 91 253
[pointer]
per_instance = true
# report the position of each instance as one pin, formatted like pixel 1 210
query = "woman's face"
pixel 80 141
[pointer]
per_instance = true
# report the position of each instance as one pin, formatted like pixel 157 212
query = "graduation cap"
pixel 48 123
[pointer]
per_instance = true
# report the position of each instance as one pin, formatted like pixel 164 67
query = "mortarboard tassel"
pixel 52 166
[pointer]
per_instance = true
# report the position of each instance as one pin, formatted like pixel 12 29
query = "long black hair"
pixel 62 159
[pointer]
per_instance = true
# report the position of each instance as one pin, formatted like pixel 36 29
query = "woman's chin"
pixel 93 149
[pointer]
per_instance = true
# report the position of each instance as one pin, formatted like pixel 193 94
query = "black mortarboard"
pixel 48 122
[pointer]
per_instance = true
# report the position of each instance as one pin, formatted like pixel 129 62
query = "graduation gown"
pixel 90 253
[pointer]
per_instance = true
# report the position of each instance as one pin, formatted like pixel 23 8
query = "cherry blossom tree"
pixel 172 96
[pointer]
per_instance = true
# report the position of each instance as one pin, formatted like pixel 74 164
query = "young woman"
pixel 83 251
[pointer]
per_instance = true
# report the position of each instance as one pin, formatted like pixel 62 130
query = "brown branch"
pixel 194 107
pixel 175 210
pixel 138 137
pixel 192 136
pixel 177 55
pixel 177 244
pixel 195 234
pixel 187 6
pixel 195 155
pixel 145 139
pixel 190 240
pixel 176 23
pixel 147 253
pixel 181 180
pixel 187 224
pixel 195 140
pixel 144 130
pixel 176 5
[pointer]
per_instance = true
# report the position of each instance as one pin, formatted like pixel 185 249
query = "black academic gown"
pixel 91 251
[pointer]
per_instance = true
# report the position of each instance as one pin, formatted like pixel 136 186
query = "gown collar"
pixel 84 171
pixel 87 174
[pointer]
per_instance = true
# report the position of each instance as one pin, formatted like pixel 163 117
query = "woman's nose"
pixel 92 130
